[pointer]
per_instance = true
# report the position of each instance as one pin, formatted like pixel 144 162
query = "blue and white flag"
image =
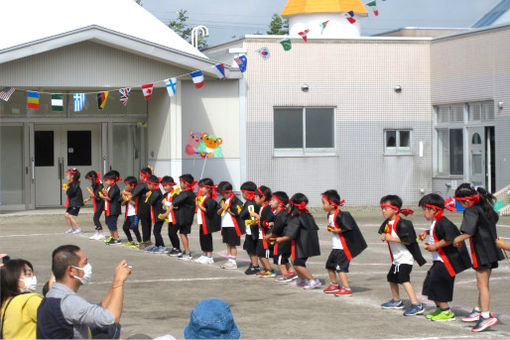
pixel 79 101
pixel 171 86
pixel 242 61
pixel 219 70
pixel 198 78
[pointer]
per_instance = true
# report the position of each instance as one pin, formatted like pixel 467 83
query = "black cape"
pixel 351 237
pixel 74 195
pixel 98 201
pixel 142 208
pixel 266 217
pixel 114 202
pixel 184 206
pixel 154 202
pixel 280 225
pixel 211 221
pixel 484 235
pixel 302 229
pixel 407 234
pixel 244 216
pixel 236 206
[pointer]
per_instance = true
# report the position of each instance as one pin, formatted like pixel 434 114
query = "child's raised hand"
pixel 500 243
pixel 223 205
pixel 383 237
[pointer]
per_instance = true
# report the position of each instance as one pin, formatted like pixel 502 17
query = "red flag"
pixel 304 34
pixel 147 90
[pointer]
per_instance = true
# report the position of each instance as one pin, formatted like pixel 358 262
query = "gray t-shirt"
pixel 80 313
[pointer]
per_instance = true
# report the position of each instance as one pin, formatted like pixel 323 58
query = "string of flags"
pixel 79 99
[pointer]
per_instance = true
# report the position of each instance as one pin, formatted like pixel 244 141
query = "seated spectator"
pixel 19 302
pixel 63 314
pixel 211 319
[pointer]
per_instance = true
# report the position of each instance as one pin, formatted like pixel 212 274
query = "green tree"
pixel 278 25
pixel 179 26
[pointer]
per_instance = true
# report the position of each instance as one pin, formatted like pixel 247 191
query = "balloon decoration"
pixel 194 139
pixel 210 146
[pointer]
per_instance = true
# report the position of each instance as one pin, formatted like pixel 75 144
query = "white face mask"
pixel 30 284
pixel 87 276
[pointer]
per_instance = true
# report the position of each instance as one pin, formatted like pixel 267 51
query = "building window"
pixel 450 151
pixel 450 113
pixel 302 131
pixel 397 142
pixel 481 111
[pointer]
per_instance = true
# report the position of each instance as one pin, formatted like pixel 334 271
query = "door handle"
pixel 60 168
pixel 33 169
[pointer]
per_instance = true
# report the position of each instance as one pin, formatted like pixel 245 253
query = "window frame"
pixel 304 151
pixel 398 150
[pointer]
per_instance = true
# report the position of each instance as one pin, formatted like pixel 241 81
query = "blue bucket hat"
pixel 211 319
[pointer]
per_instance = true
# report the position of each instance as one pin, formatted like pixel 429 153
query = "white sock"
pixel 477 309
pixel 486 315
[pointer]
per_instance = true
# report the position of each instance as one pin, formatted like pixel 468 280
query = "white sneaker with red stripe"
pixel 472 317
pixel 485 323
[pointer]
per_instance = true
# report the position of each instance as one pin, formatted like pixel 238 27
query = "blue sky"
pixel 229 18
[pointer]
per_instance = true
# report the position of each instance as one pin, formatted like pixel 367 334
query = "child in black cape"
pixel 97 203
pixel 250 224
pixel 184 206
pixel 74 200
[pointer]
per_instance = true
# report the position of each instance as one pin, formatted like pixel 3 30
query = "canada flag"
pixel 147 90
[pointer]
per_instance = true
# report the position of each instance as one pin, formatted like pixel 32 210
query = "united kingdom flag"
pixel 124 95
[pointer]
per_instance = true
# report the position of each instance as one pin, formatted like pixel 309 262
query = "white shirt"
pixel 131 209
pixel 227 219
pixel 335 238
pixel 199 216
pixel 401 255
pixel 435 254
pixel 166 205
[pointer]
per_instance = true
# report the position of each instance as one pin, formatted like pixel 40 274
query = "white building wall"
pixel 337 27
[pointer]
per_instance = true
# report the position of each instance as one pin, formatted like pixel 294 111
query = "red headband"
pixel 301 206
pixel 72 171
pixel 191 185
pixel 439 214
pixel 475 198
pixel 250 195
pixel 404 212
pixel 279 200
pixel 213 188
pixel 226 191
pixel 168 183
pixel 262 194
pixel 144 174
pixel 340 204
pixel 155 183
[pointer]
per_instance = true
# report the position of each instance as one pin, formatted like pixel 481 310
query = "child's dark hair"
pixel 393 199
pixel 110 175
pixel 431 199
pixel 94 176
pixel 297 202
pixel 486 198
pixel 206 181
pixel 187 178
pixel 249 186
pixel 147 171
pixel 131 180
pixel 265 192
pixel 224 186
pixel 282 196
pixel 167 180
pixel 333 196
pixel 75 173
pixel 152 179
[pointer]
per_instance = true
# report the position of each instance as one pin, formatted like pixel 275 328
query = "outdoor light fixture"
pixel 398 89
pixel 501 105
pixel 305 87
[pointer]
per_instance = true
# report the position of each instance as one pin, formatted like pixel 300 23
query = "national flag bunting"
pixel 102 97
pixel 147 90
pixel 350 17
pixel 373 6
pixel 304 34
pixel 6 93
pixel 323 26
pixel 263 52
pixel 33 100
pixel 286 43
pixel 198 78
pixel 242 62
pixel 219 70
pixel 124 95
pixel 79 101
pixel 171 86
pixel 57 102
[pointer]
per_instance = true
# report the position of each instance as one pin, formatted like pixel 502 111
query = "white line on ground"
pixel 29 235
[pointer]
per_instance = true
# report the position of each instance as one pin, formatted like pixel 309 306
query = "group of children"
pixel 281 229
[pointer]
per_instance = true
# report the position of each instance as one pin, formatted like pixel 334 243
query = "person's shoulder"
pixel 27 298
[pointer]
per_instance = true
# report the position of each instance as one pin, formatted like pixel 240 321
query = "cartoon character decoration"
pixel 194 139
pixel 210 146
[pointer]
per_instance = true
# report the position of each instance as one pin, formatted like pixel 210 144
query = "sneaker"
pixel 485 323
pixel 344 292
pixel 128 244
pixel 110 242
pixel 252 270
pixel 116 242
pixel 414 310
pixel 210 260
pixel 77 231
pixel 312 284
pixel 444 316
pixel 298 283
pixel 229 265
pixel 279 278
pixel 431 315
pixel 175 252
pixel 290 277
pixel 135 245
pixel 94 237
pixel 100 236
pixel 272 273
pixel 151 249
pixel 162 250
pixel 201 259
pixel 185 256
pixel 392 304
pixel 68 231
pixel 332 289
pixel 108 239
pixel 473 316
pixel 263 273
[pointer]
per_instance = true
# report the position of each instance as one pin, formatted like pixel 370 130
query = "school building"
pixel 408 112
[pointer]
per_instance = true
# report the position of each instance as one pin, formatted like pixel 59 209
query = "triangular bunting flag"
pixel 263 52
pixel 287 44
pixel 33 100
pixel 323 26
pixel 373 6
pixel 219 70
pixel 57 102
pixel 350 17
pixel 198 78
pixel 124 95
pixel 6 93
pixel 304 34
pixel 171 86
pixel 242 62
pixel 79 101
pixel 147 91
pixel 102 97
